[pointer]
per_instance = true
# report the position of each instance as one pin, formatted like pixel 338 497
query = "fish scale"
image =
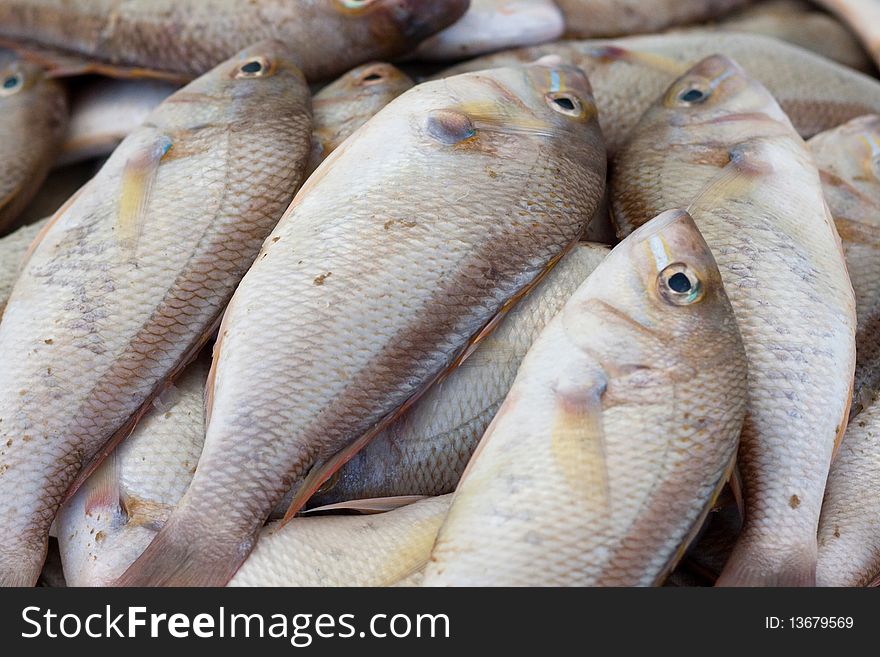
pixel 131 276
pixel 360 337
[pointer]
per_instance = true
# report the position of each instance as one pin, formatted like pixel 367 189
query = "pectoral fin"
pixel 138 178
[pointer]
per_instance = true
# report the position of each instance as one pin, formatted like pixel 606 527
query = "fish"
pixel 618 433
pixel 799 24
pixel 129 279
pixel 848 158
pixel 134 38
pixel 629 74
pixel 117 511
pixel 608 18
pixel 718 143
pixel 103 112
pixel 490 25
pixel 13 248
pixel 425 451
pixel 462 193
pixel 384 549
pixel 849 531
pixel 346 104
pixel 863 17
pixel 33 118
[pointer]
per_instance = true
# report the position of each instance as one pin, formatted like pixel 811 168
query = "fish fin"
pixel 736 489
pixel 138 178
pixel 103 487
pixel 61 64
pixel 369 505
pixel 614 53
pixel 742 570
pixel 323 471
pixel 211 382
pixel 174 559
pixel 735 179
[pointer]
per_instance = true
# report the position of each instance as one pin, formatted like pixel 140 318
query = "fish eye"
pixel 11 84
pixel 565 103
pixel 679 285
pixel 693 95
pixel 254 68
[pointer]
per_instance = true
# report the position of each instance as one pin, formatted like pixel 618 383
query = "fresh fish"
pixel 849 527
pixel 618 433
pixel 130 278
pixel 629 74
pixel 104 112
pixel 189 37
pixel 718 140
pixel 33 118
pixel 346 104
pixel 800 24
pixel 848 158
pixel 606 18
pixel 12 250
pixel 117 511
pixel 492 25
pixel 389 264
pixel 385 549
pixel 425 451
pixel 863 17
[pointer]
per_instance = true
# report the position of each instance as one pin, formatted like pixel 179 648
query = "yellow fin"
pixel 138 178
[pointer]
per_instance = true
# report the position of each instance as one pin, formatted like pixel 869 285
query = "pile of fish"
pixel 439 292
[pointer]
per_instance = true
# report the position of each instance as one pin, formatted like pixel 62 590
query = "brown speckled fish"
pixel 598 18
pixel 395 257
pixel 629 74
pixel 425 451
pixel 718 140
pixel 131 276
pixel 33 118
pixel 618 433
pixel 346 104
pixel 189 37
pixel 848 158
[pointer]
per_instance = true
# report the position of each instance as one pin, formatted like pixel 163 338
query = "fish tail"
pixel 745 568
pixel 178 557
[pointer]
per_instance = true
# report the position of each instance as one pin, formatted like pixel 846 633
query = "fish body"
pixel 617 434
pixel 490 25
pixel 33 118
pixel 462 192
pixel 629 74
pixel 718 142
pixel 346 104
pixel 189 37
pixel 607 18
pixel 130 277
pixel 425 451
pixel 12 250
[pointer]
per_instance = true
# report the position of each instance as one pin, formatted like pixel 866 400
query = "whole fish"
pixel 12 250
pixel 104 112
pixel 629 74
pixel 801 25
pixel 391 261
pixel 717 140
pixel 129 279
pixel 188 37
pixel 848 158
pixel 618 433
pixel 117 511
pixel 849 527
pixel 492 25
pixel 606 18
pixel 425 451
pixel 385 549
pixel 863 17
pixel 33 118
pixel 346 104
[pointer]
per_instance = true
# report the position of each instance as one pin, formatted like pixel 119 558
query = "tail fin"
pixel 745 569
pixel 177 558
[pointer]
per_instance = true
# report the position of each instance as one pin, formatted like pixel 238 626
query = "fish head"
pixel 24 84
pixel 413 20
pixel 851 151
